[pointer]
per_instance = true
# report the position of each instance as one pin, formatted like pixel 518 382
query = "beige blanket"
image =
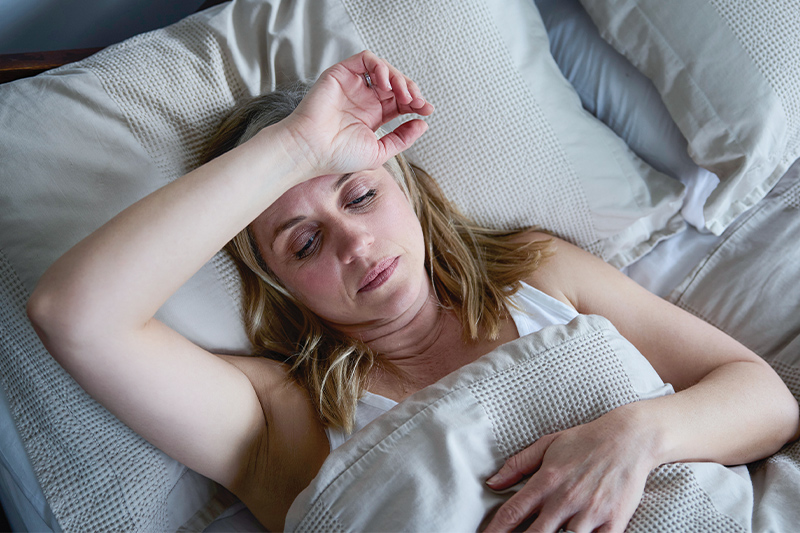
pixel 422 466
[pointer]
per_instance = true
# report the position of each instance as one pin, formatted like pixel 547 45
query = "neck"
pixel 415 332
pixel 416 336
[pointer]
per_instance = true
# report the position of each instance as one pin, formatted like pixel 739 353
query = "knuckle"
pixel 549 477
pixel 597 503
pixel 514 463
pixel 572 497
pixel 510 514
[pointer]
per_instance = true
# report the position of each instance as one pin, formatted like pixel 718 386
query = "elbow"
pixel 792 414
pixel 56 320
pixel 786 409
pixel 42 310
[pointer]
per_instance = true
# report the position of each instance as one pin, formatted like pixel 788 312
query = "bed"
pixel 661 137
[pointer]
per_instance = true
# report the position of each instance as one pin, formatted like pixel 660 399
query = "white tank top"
pixel 536 311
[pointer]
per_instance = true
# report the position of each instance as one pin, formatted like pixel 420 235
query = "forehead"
pixel 302 199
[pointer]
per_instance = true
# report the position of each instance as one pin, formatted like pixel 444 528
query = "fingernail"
pixel 494 480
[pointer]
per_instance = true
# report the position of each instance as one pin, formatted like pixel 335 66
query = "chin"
pixel 411 299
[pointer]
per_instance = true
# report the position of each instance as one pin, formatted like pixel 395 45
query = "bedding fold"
pixel 422 465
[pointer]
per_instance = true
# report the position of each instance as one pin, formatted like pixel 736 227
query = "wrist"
pixel 283 152
pixel 644 427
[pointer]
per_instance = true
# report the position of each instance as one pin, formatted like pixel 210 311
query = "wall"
pixel 40 25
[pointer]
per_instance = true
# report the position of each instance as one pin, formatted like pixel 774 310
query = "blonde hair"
pixel 474 271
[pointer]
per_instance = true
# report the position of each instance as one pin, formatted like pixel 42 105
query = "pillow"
pixel 80 143
pixel 614 91
pixel 24 504
pixel 729 73
pixel 505 116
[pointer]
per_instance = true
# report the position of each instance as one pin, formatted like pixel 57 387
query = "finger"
pixel 581 522
pixel 519 506
pixel 378 69
pixel 390 109
pixel 418 101
pixel 391 84
pixel 424 109
pixel 552 523
pixel 366 62
pixel 609 528
pixel 402 137
pixel 400 87
pixel 519 465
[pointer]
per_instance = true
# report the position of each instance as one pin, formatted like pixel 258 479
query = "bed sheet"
pixel 671 260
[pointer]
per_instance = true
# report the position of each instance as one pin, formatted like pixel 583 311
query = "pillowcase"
pixel 729 73
pixel 614 91
pixel 509 141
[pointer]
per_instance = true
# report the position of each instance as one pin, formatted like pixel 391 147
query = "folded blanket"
pixel 422 466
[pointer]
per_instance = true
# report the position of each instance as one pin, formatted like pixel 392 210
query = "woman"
pixel 342 248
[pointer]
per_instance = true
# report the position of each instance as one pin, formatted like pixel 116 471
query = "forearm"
pixel 738 413
pixel 145 253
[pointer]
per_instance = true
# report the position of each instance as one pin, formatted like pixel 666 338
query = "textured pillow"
pixel 510 142
pixel 614 91
pixel 729 73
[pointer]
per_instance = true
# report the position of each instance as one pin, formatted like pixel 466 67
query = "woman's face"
pixel 349 247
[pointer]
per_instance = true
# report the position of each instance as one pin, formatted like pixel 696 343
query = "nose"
pixel 354 241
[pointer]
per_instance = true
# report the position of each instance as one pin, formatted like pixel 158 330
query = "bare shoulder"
pixel 564 269
pixel 681 347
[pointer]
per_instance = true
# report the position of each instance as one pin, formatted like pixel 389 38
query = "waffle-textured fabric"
pixel 95 472
pixel 729 73
pixel 422 466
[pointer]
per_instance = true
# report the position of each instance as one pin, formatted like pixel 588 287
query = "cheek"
pixel 315 286
pixel 412 232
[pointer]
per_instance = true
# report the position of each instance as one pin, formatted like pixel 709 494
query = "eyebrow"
pixel 340 181
pixel 296 220
pixel 283 227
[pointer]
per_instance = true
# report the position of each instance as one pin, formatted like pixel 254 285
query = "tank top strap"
pixel 535 310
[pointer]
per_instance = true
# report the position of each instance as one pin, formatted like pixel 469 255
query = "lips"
pixel 379 274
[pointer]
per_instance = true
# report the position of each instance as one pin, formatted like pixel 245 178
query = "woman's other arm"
pixel 730 407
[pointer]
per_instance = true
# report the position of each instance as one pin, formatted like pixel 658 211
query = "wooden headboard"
pixel 24 65
pixel 16 66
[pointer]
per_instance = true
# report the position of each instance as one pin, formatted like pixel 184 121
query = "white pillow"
pixel 729 73
pixel 614 91
pixel 509 141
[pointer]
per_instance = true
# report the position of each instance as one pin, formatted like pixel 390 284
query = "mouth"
pixel 379 274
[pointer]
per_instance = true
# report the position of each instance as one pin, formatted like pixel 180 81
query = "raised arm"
pixel 730 407
pixel 94 307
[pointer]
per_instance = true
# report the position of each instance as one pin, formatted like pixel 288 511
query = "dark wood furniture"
pixel 17 66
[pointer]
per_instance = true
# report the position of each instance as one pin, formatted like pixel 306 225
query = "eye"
pixel 310 246
pixel 363 199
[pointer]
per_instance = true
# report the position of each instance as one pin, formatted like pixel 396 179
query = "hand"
pixel 587 478
pixel 334 126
